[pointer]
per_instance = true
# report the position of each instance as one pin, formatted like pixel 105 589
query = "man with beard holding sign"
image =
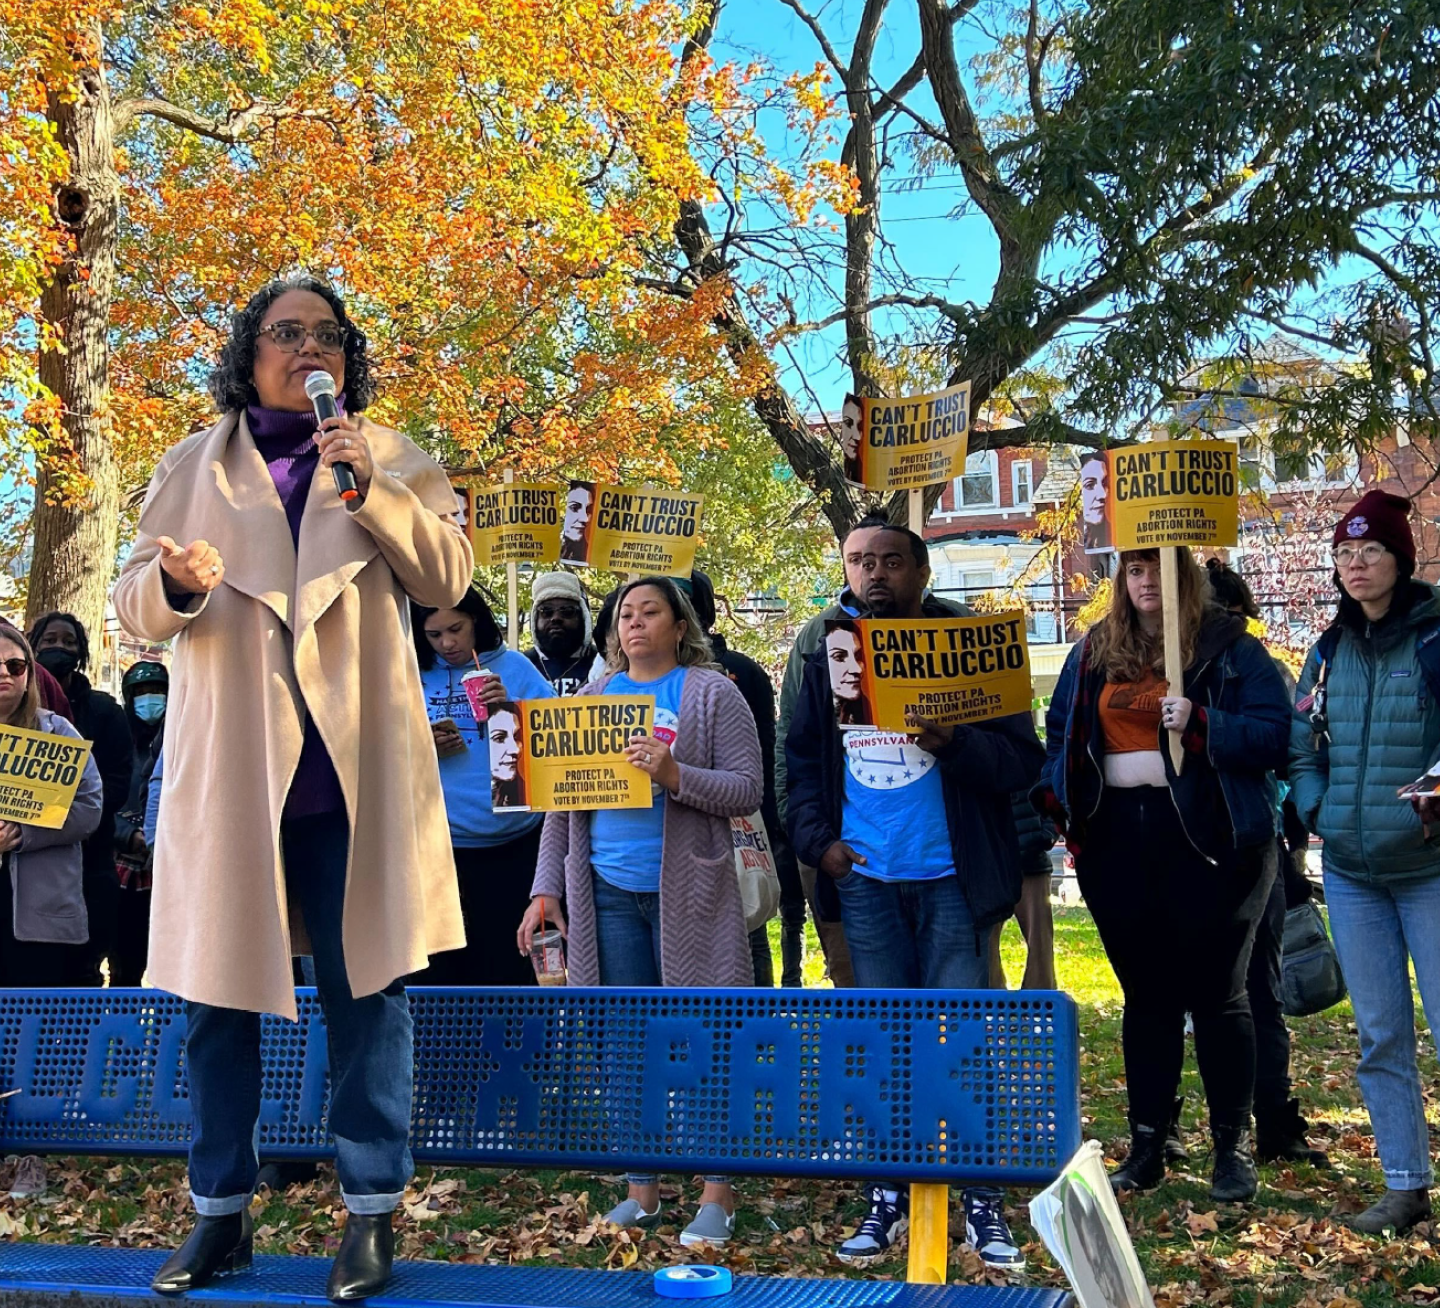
pixel 915 840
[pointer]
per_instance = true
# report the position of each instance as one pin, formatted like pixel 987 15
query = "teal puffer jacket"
pixel 1384 732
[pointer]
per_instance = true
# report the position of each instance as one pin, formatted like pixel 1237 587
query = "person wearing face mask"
pixel 1176 869
pixel 52 698
pixel 495 853
pixel 62 648
pixel 560 623
pixel 146 687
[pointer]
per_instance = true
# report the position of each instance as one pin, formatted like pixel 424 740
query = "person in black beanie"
pixel 759 692
pixel 62 648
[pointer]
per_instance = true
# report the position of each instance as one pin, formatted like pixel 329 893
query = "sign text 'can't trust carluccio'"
pixel 907 443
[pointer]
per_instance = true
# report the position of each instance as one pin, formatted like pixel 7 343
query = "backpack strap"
pixel 1427 654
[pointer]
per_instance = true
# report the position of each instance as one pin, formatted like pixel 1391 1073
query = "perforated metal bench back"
pixel 953 1086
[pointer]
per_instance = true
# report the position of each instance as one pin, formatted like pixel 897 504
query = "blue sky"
pixel 959 255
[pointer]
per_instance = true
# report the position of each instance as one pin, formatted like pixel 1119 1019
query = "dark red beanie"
pixel 1383 517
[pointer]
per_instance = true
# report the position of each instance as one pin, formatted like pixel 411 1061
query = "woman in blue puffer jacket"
pixel 1367 722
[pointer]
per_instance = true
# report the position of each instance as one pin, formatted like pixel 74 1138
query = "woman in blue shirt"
pixel 495 853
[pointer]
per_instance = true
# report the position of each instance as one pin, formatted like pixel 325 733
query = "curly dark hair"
pixel 232 382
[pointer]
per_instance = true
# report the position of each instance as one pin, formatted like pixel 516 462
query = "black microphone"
pixel 320 387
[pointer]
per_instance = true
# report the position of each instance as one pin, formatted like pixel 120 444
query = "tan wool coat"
pixel 327 632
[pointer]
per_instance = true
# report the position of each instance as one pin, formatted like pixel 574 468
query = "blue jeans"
pixel 912 935
pixel 371 1048
pixel 627 937
pixel 1375 928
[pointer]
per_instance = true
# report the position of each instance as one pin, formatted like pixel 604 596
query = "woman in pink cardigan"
pixel 652 894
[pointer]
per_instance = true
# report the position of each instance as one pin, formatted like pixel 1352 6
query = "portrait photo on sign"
pixel 507 753
pixel 852 431
pixel 1095 503
pixel 578 521
pixel 845 658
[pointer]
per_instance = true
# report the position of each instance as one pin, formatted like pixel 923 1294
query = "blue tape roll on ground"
pixel 698 1281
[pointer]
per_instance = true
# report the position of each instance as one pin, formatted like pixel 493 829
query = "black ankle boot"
pixel 1280 1136
pixel 1175 1150
pixel 1144 1169
pixel 362 1265
pixel 1233 1180
pixel 215 1246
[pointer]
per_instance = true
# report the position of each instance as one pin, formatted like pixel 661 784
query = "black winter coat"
pixel 979 770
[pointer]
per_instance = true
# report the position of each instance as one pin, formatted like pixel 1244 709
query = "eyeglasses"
pixel 330 337
pixel 1369 553
pixel 17 668
pixel 561 612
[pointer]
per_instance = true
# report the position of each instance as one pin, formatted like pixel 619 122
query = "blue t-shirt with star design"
pixel 894 807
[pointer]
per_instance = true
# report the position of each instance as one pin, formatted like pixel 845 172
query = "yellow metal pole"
pixel 929 1234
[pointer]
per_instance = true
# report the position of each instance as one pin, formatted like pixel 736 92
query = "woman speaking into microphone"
pixel 302 801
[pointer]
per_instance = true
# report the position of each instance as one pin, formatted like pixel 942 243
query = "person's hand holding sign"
pixel 1175 712
pixel 933 736
pixel 653 758
pixel 9 836
pixel 194 569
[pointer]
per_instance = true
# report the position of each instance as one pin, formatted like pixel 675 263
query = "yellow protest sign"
pixel 1160 494
pixel 563 755
pixel 905 444
pixel 652 529
pixel 949 670
pixel 39 775
pixel 517 522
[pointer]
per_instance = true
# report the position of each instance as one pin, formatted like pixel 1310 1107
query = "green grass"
pixel 1285 1251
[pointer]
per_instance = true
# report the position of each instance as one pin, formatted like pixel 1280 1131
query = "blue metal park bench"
pixel 932 1087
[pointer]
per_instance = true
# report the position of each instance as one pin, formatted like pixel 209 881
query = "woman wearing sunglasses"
pixel 1367 722
pixel 42 899
pixel 302 811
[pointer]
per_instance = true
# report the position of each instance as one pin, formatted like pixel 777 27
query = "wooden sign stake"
pixel 1174 658
pixel 917 511
pixel 512 592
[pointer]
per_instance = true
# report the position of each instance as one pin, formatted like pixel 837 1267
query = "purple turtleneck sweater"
pixel 286 442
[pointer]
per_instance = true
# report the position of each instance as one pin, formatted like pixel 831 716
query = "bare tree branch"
pixel 823 41
pixel 982 179
pixel 228 130
pixel 950 310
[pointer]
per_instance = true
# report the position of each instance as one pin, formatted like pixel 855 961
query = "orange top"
pixel 1130 714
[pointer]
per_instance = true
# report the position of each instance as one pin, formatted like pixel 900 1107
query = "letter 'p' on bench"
pixel 934 1087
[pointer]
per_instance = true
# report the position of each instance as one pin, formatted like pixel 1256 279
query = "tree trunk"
pixel 75 536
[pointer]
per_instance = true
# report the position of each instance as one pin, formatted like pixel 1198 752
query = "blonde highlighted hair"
pixel 694 649
pixel 1122 647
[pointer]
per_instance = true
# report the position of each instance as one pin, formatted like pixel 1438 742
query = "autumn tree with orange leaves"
pixel 483 178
